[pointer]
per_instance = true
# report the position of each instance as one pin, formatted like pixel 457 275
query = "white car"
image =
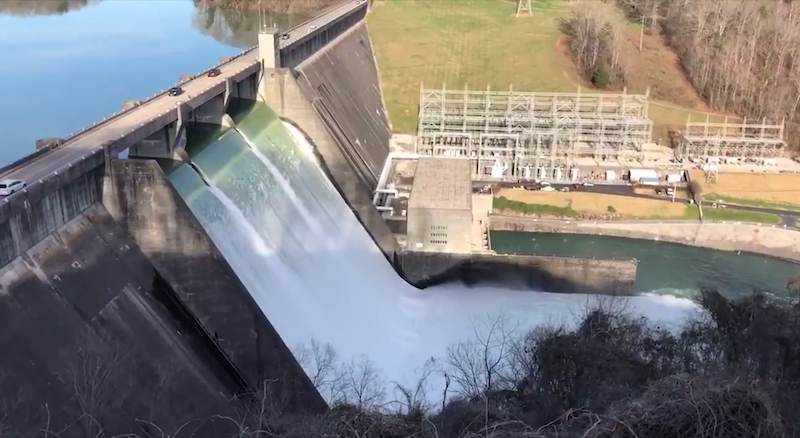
pixel 588 184
pixel 11 186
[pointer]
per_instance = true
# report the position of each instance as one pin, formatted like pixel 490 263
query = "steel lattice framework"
pixel 731 140
pixel 532 129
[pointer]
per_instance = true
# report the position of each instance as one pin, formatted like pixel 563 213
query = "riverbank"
pixel 772 241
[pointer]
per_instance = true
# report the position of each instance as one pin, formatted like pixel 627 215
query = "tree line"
pixel 742 56
pixel 733 371
pixel 275 6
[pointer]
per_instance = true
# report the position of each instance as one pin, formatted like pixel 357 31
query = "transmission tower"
pixel 524 7
pixel 712 173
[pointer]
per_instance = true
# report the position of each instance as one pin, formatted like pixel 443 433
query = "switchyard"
pixel 731 141
pixel 512 134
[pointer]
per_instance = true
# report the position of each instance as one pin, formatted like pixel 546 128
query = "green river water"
pixel 664 268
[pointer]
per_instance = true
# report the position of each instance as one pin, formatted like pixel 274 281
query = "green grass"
pixel 713 197
pixel 458 42
pixel 691 213
pixel 478 43
pixel 732 215
pixel 503 204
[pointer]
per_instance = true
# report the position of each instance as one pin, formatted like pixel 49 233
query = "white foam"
pixel 316 273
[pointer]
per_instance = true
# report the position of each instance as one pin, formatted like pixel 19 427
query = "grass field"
pixel 599 204
pixel 760 190
pixel 480 42
pixel 573 205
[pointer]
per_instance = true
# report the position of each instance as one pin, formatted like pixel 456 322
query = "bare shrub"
pixel 480 364
pixel 700 406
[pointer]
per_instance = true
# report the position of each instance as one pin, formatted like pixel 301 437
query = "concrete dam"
pixel 173 285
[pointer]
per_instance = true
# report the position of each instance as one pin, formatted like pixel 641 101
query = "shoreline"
pixel 764 240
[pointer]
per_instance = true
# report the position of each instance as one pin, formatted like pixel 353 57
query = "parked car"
pixel 11 186
pixel 175 91
pixel 588 184
pixel 285 36
pixel 214 72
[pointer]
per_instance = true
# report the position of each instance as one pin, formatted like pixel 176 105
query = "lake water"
pixel 664 268
pixel 69 63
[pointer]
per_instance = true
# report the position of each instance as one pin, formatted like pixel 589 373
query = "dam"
pixel 241 224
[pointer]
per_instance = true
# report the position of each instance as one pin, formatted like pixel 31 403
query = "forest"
pixel 273 6
pixel 42 7
pixel 731 371
pixel 743 56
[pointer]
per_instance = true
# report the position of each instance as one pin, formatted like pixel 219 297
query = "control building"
pixel 440 206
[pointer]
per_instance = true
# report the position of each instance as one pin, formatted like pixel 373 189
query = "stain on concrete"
pixel 342 83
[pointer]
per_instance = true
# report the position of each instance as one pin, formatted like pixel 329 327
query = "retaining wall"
pixel 82 318
pixel 284 96
pixel 28 217
pixel 547 274
pixel 343 84
pixel 773 241
pixel 153 213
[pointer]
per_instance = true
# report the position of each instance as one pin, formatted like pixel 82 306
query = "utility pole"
pixel 524 6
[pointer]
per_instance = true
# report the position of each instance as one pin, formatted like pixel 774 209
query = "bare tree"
pixel 480 365
pixel 596 36
pixel 416 400
pixel 320 363
pixel 98 373
pixel 362 384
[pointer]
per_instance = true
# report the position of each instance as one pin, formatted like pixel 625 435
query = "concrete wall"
pixel 765 240
pixel 439 230
pixel 82 316
pixel 153 213
pixel 307 45
pixel 343 85
pixel 543 274
pixel 28 217
pixel 285 98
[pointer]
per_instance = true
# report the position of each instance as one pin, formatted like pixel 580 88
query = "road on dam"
pixel 93 139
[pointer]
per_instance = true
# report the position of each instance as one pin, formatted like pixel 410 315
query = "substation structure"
pixel 510 133
pixel 737 140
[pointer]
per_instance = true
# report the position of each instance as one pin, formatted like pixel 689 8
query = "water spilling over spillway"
pixel 316 273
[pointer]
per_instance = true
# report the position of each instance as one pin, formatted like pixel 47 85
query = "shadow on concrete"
pixel 152 212
pixel 92 340
pixel 535 273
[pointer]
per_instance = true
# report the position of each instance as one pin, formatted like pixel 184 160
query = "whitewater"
pixel 316 273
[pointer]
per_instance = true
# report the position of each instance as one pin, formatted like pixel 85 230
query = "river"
pixel 664 268
pixel 69 63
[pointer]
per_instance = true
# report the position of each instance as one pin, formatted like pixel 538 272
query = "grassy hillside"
pixel 480 42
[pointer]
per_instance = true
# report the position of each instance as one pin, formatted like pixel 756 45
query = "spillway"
pixel 316 273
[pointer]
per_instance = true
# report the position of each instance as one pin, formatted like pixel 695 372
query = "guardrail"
pixel 85 130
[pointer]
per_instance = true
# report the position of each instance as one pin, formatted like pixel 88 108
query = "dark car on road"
pixel 285 36
pixel 175 91
pixel 214 72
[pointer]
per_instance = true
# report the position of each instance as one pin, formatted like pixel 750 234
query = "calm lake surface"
pixel 69 63
pixel 664 268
